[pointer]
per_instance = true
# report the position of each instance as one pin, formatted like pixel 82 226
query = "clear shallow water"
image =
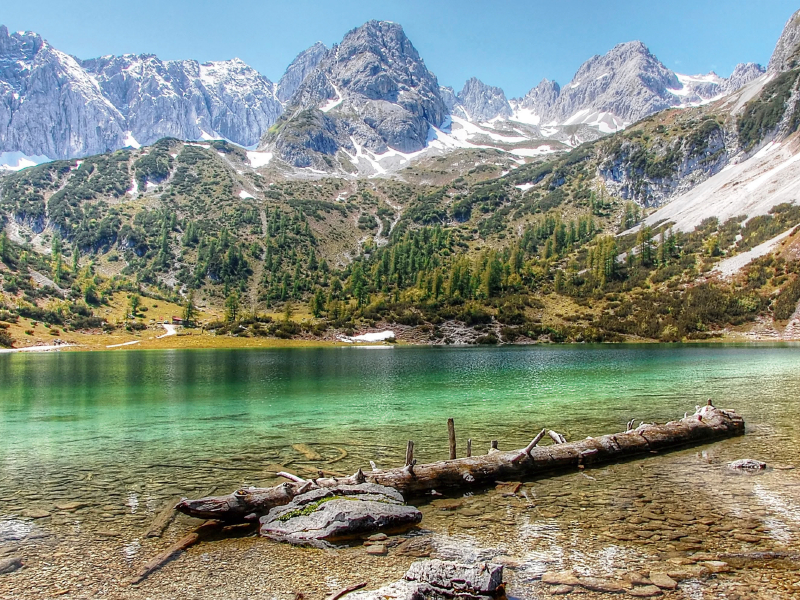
pixel 125 432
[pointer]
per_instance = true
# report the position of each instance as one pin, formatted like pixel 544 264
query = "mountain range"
pixel 363 106
pixel 525 226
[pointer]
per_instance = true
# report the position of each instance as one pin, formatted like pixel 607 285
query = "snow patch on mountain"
pixel 333 102
pixel 259 159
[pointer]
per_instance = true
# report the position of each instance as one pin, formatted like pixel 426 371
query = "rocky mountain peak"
pixel 481 102
pixel 787 51
pixel 537 102
pixel 372 89
pixel 20 45
pixel 628 83
pixel 378 61
pixel 743 74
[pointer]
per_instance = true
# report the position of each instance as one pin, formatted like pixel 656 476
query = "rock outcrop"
pixel 787 50
pixel 301 67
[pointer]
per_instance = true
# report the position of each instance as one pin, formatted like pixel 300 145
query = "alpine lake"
pixel 94 445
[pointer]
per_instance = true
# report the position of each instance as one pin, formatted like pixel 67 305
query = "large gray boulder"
pixel 323 515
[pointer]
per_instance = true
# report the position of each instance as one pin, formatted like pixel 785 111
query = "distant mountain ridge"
pixel 608 92
pixel 56 106
pixel 341 108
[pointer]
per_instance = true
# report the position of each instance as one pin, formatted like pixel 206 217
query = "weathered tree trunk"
pixel 707 424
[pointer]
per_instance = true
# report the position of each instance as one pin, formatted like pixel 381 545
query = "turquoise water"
pixel 84 408
pixel 94 445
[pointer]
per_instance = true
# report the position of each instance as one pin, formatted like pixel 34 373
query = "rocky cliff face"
pixel 49 105
pixel 301 67
pixel 479 102
pixel 787 50
pixel 372 90
pixel 185 99
pixel 56 106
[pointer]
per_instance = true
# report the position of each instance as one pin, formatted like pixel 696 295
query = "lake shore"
pixel 172 337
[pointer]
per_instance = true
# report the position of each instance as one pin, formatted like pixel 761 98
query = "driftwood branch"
pixel 347 590
pixel 182 544
pixel 526 451
pixel 290 477
pixel 706 425
pixel 162 520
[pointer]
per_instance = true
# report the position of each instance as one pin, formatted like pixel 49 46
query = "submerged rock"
pixel 322 515
pixel 747 464
pixel 10 564
pixel 647 591
pixel 441 579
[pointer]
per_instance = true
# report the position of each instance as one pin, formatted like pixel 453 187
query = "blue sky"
pixel 513 44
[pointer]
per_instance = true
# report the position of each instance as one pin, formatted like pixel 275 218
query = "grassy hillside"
pixel 468 247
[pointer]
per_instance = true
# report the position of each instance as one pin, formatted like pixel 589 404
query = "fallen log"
pixel 707 424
